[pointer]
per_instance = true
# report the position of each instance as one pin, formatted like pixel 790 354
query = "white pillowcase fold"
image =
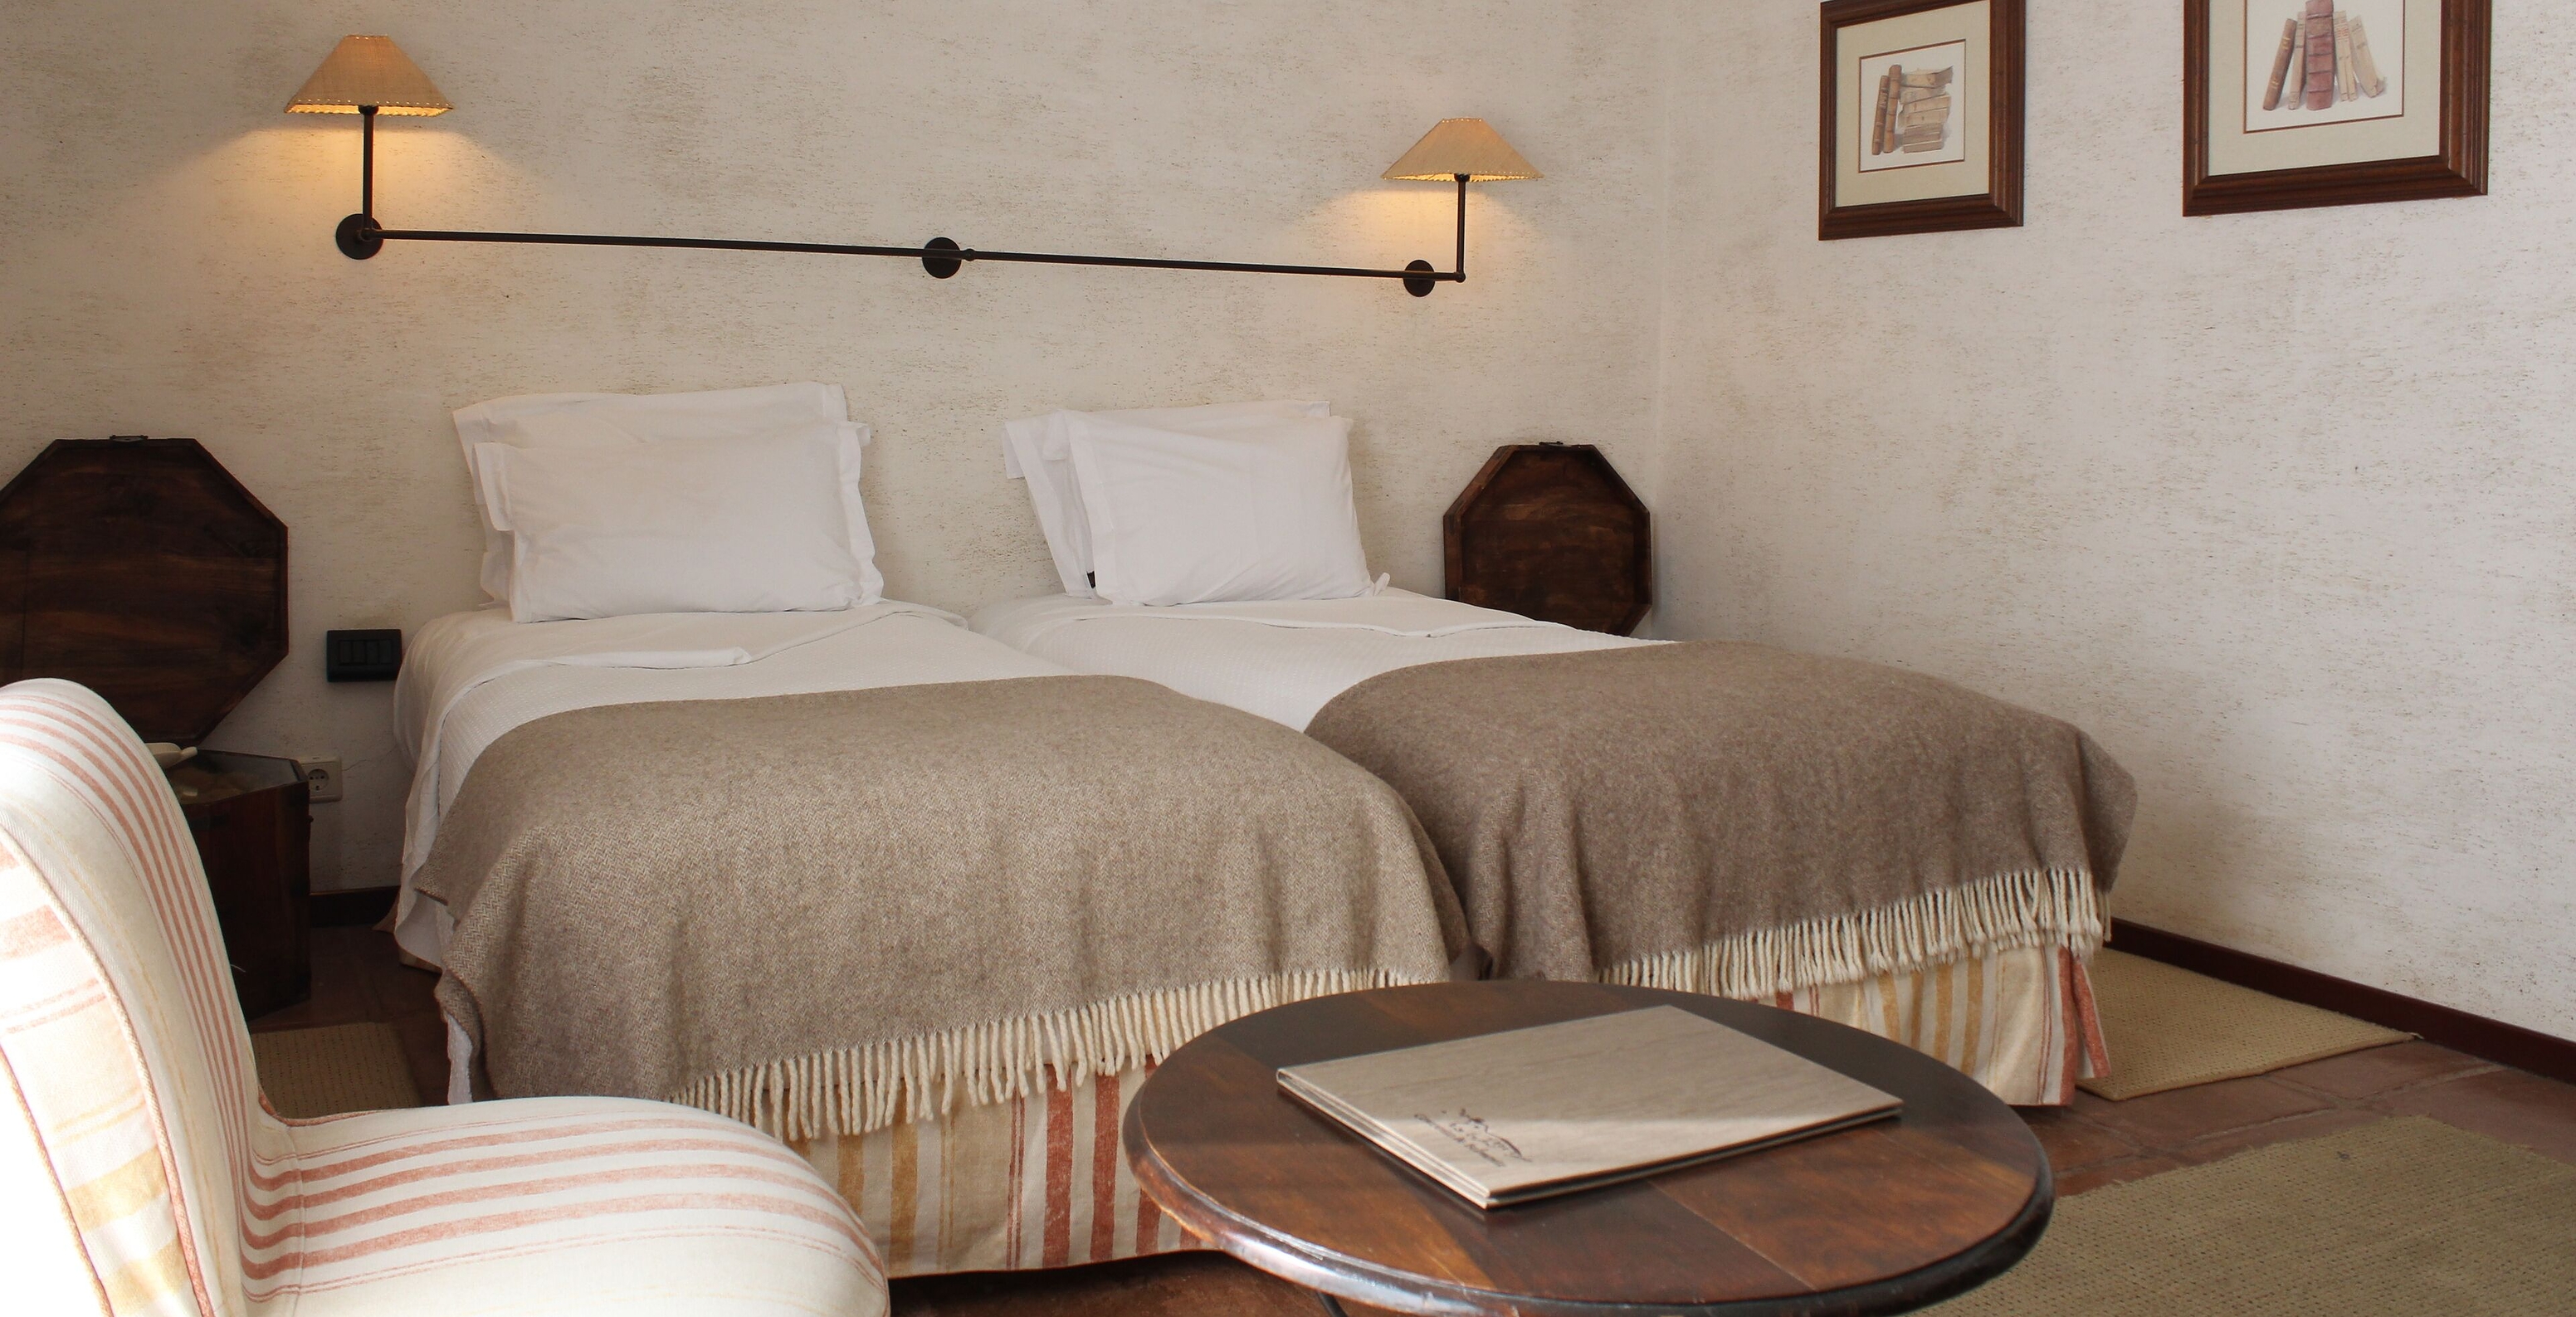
pixel 1035 451
pixel 1178 518
pixel 680 526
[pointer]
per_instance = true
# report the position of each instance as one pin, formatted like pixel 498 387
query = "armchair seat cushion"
pixel 554 1205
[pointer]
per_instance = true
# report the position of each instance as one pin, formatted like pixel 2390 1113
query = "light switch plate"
pixel 322 777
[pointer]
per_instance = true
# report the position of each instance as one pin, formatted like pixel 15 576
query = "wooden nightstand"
pixel 254 830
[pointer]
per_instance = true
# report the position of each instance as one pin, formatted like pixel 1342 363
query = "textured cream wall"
pixel 165 263
pixel 2277 505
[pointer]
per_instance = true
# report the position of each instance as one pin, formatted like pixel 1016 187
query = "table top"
pixel 214 775
pixel 1884 1218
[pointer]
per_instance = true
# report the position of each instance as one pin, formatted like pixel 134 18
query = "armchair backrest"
pixel 138 1112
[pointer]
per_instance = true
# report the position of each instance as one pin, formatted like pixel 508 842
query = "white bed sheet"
pixel 1283 660
pixel 472 677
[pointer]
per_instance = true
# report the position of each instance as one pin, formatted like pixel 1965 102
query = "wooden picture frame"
pixel 2456 166
pixel 1980 186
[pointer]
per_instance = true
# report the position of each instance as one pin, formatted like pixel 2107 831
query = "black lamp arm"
pixel 367 161
pixel 359 237
pixel 1460 269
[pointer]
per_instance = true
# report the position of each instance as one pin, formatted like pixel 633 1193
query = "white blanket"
pixel 472 677
pixel 1284 661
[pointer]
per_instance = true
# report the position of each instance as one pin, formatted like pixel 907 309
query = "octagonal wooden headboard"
pixel 141 569
pixel 1550 531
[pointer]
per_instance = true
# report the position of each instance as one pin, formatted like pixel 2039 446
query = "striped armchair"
pixel 141 1170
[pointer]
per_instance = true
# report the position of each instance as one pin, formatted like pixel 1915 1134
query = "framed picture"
pixel 1922 117
pixel 2290 103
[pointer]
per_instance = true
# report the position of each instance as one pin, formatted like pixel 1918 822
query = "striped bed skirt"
pixel 1042 1182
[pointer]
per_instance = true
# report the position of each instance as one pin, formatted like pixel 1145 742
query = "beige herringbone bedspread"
pixel 828 913
pixel 1737 819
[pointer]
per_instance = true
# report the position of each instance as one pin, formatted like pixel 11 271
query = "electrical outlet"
pixel 322 776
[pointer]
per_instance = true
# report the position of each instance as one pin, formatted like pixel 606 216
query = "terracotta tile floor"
pixel 2093 1143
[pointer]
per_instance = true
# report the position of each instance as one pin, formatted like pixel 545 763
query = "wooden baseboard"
pixel 2494 1040
pixel 359 908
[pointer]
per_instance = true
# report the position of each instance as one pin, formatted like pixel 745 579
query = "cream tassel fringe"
pixel 2002 913
pixel 853 1090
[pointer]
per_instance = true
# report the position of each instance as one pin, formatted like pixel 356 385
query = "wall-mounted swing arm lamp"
pixel 368 76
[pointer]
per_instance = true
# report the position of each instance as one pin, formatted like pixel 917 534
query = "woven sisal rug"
pixel 2401 1218
pixel 323 1072
pixel 2171 1028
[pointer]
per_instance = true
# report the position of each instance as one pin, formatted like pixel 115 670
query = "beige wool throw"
pixel 1736 819
pixel 831 913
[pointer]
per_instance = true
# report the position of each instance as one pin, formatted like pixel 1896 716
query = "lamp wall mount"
pixel 361 237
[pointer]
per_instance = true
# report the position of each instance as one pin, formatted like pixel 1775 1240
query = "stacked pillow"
pixel 735 500
pixel 1234 502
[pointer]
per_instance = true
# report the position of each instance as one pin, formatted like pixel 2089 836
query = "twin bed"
pixel 920 904
pixel 928 903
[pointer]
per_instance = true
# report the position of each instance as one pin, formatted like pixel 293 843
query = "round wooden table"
pixel 1884 1218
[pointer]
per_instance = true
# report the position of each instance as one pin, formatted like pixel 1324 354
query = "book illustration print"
pixel 1915 117
pixel 2309 63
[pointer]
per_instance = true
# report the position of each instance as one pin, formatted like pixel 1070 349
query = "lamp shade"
pixel 368 71
pixel 1461 146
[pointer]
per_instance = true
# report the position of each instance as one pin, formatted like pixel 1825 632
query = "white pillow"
pixel 1034 450
pixel 681 526
pixel 1189 519
pixel 559 420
